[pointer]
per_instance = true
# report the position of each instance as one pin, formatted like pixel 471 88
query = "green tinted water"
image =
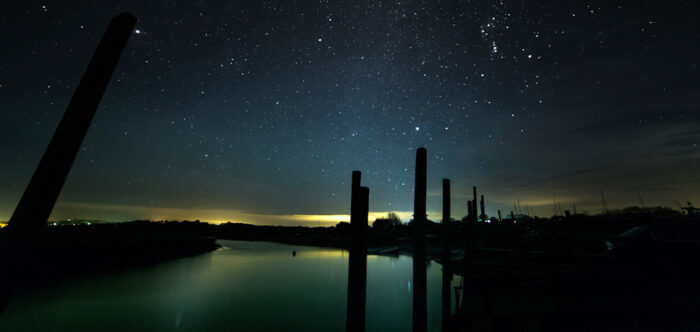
pixel 245 286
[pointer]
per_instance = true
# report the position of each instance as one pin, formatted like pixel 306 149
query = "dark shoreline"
pixel 109 245
pixel 68 252
pixel 117 245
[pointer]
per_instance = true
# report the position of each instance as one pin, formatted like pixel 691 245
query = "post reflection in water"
pixel 249 286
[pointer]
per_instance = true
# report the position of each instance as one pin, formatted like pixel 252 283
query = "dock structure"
pixel 420 297
pixel 357 261
pixel 43 189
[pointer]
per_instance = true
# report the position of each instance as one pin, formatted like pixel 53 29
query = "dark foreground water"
pixel 245 286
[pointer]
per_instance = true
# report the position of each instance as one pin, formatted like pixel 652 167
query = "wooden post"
pixel 39 198
pixel 470 211
pixel 43 189
pixel 483 211
pixel 357 260
pixel 511 244
pixel 446 255
pixel 420 296
pixel 475 218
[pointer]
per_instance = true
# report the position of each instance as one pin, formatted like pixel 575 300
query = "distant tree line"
pixel 391 221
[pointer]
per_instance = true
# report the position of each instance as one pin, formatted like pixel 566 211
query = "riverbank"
pixel 60 253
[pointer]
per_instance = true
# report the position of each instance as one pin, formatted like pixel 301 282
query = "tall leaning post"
pixel 446 255
pixel 420 297
pixel 40 196
pixel 357 261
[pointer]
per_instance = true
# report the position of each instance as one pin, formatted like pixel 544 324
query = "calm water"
pixel 245 286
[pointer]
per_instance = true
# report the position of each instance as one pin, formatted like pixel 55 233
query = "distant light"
pixel 54 224
pixel 88 224
pixel 417 128
pixel 137 31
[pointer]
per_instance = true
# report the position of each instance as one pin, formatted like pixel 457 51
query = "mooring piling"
pixel 357 261
pixel 446 254
pixel 420 298
pixel 483 211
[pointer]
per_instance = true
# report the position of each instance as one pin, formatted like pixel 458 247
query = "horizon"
pixel 203 119
pixel 333 220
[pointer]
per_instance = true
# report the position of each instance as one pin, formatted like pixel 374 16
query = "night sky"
pixel 258 111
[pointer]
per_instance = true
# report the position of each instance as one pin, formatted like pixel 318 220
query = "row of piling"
pixel 358 249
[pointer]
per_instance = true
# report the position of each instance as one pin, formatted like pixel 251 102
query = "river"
pixel 244 286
